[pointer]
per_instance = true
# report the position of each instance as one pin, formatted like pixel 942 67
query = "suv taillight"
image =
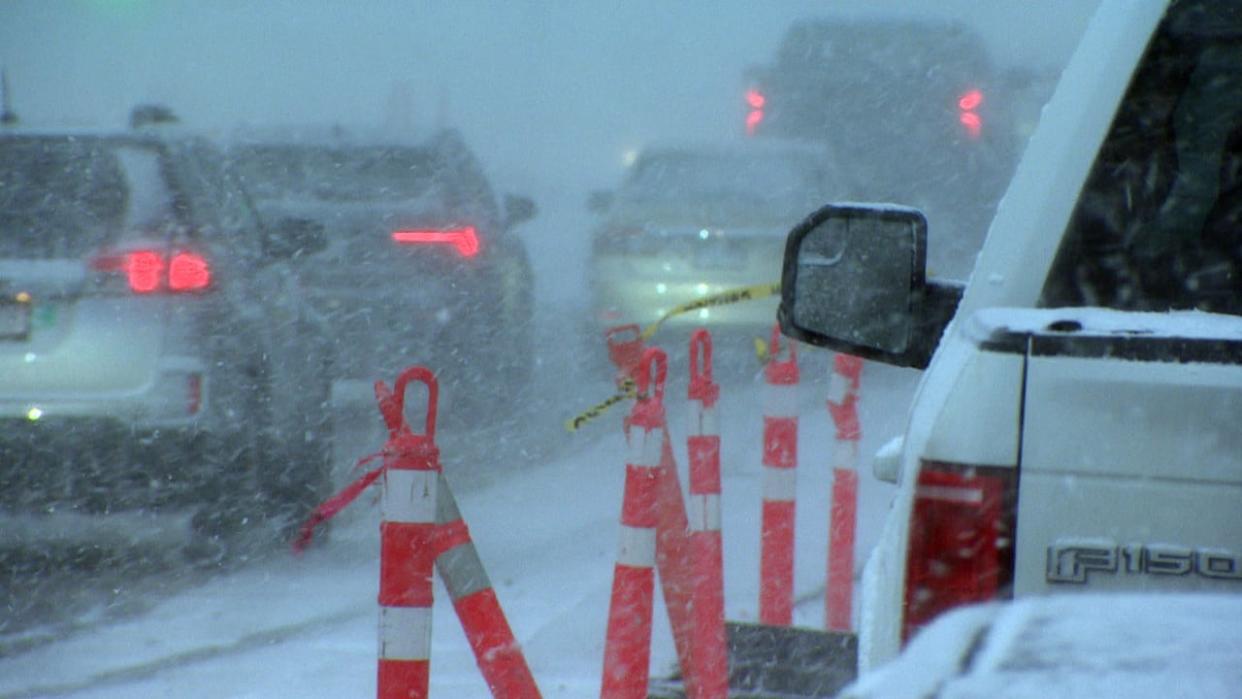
pixel 151 271
pixel 464 240
pixel 961 540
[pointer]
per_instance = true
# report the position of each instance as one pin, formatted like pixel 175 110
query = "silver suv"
pixel 158 374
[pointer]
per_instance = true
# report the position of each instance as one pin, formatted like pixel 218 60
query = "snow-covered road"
pixel 547 533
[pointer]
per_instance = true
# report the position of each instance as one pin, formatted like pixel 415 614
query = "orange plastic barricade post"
pixel 421 529
pixel 411 472
pixel 627 648
pixel 709 663
pixel 625 350
pixel 496 651
pixel 780 459
pixel 843 388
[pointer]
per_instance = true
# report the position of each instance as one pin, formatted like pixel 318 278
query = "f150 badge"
pixel 1074 561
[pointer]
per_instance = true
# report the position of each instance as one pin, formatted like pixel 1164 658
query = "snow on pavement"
pixel 307 627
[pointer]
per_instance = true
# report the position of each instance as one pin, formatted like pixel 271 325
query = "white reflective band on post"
pixel 644 447
pixel 779 483
pixel 780 400
pixel 637 548
pixel 409 496
pixel 703 421
pixel 405 633
pixel 704 513
pixel 838 388
pixel 845 454
pixel 949 493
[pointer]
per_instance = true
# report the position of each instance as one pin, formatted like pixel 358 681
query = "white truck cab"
pixel 1078 427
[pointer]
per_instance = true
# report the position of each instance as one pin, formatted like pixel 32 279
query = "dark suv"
pixel 417 243
pixel 160 375
pixel 913 110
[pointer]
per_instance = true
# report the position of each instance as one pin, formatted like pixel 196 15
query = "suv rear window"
pixel 373 173
pixel 1158 225
pixel 59 198
pixel 67 197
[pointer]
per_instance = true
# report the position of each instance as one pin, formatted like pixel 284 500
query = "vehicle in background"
pixel 160 377
pixel 911 110
pixel 1076 427
pixel 418 249
pixel 1071 647
pixel 692 221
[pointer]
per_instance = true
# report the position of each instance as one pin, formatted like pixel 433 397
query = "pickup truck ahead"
pixel 1077 425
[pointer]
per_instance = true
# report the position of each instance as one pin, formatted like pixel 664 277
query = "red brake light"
pixel 463 239
pixel 188 271
pixel 968 117
pixel 147 271
pixel 970 100
pixel 756 101
pixel 961 540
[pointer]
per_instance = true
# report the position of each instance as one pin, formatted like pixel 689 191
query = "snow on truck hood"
pixel 1123 645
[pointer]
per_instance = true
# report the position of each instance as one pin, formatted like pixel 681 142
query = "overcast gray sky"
pixel 527 80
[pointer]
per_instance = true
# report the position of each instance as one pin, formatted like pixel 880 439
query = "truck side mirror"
pixel 518 209
pixel 853 281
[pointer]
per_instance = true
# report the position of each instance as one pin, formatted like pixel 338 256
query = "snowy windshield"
pixel 347 348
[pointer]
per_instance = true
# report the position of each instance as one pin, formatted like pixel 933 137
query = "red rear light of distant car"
pixel 961 540
pixel 464 239
pixel 968 116
pixel 149 271
pixel 188 271
pixel 756 101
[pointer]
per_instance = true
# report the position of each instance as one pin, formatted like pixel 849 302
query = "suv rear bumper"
pixel 95 466
pixel 176 396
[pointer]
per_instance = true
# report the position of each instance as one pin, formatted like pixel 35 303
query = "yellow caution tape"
pixel 724 298
pixel 761 350
pixel 628 390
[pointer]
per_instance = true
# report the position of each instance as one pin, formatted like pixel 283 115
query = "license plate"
pixel 14 320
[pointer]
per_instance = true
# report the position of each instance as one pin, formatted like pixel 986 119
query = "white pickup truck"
pixel 1079 424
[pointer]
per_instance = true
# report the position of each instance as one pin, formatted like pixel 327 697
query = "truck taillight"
pixel 961 540
pixel 150 271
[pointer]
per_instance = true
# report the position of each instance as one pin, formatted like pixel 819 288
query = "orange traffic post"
pixel 627 648
pixel 496 651
pixel 709 662
pixel 780 459
pixel 843 389
pixel 410 474
pixel 625 351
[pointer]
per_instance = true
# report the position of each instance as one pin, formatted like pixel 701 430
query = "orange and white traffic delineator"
pixel 496 651
pixel 411 472
pixel 625 350
pixel 843 388
pixel 709 662
pixel 780 459
pixel 627 646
